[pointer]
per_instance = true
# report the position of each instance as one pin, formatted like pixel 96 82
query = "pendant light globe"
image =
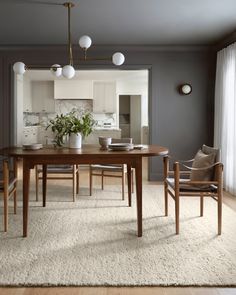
pixel 118 58
pixel 68 71
pixel 56 70
pixel 85 42
pixel 19 68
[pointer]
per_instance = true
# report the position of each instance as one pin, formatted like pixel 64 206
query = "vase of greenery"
pixel 75 140
pixel 73 124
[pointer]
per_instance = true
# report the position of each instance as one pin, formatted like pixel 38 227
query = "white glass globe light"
pixel 56 70
pixel 85 42
pixel 186 89
pixel 19 68
pixel 118 58
pixel 68 71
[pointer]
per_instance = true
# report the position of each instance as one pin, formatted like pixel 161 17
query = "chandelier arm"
pixel 32 67
pixel 95 58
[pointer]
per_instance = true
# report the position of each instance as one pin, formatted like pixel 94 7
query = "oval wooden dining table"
pixel 88 154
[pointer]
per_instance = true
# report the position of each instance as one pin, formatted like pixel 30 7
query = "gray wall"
pixel 182 123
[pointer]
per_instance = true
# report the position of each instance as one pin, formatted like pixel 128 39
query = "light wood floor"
pixel 228 200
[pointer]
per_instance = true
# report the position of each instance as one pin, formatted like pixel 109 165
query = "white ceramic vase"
pixel 75 141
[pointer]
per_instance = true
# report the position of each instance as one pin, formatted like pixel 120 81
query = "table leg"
pixel 44 184
pixel 129 184
pixel 138 178
pixel 26 182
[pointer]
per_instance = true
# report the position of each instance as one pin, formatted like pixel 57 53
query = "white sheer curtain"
pixel 225 114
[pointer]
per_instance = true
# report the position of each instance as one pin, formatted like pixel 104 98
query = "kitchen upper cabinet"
pixel 42 96
pixel 104 97
pixel 75 89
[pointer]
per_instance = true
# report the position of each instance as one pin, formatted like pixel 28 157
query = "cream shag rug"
pixel 94 242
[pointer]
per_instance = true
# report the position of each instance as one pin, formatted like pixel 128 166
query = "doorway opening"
pixel 133 118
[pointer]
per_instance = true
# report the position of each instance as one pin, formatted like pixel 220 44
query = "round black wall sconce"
pixel 185 89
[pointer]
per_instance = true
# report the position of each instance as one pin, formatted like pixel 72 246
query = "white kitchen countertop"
pixel 107 128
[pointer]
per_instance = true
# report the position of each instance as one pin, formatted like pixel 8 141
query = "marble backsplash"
pixel 63 106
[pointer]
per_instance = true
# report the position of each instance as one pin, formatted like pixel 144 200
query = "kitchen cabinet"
pixel 75 89
pixel 42 96
pixel 104 97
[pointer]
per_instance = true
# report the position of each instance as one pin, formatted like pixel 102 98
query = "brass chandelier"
pixel 68 71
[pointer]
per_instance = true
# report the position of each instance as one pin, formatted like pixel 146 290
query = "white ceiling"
pixel 143 22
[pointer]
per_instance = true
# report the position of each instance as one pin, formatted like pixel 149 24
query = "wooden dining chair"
pixel 202 179
pixel 112 171
pixel 8 186
pixel 59 172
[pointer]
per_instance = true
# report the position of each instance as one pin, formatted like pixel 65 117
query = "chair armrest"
pixel 186 161
pixel 168 172
pixel 203 168
pixel 194 182
pixel 180 161
pixel 218 181
pixel 171 172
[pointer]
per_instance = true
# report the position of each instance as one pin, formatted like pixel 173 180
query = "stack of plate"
pixel 120 146
pixel 32 146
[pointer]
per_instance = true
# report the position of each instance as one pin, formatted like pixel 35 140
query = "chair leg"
pixel 90 181
pixel 77 180
pixel 177 214
pixel 166 198
pixel 37 183
pixel 74 183
pixel 219 214
pixel 132 180
pixel 15 201
pixel 5 196
pixel 123 185
pixel 15 184
pixel 219 170
pixel 102 180
pixel 44 184
pixel 201 205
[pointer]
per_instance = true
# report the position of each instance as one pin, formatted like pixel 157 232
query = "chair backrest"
pixel 211 150
pixel 122 140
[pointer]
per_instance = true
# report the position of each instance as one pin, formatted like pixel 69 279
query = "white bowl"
pixel 104 141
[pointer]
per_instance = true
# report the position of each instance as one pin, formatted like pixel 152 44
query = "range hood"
pixel 74 89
